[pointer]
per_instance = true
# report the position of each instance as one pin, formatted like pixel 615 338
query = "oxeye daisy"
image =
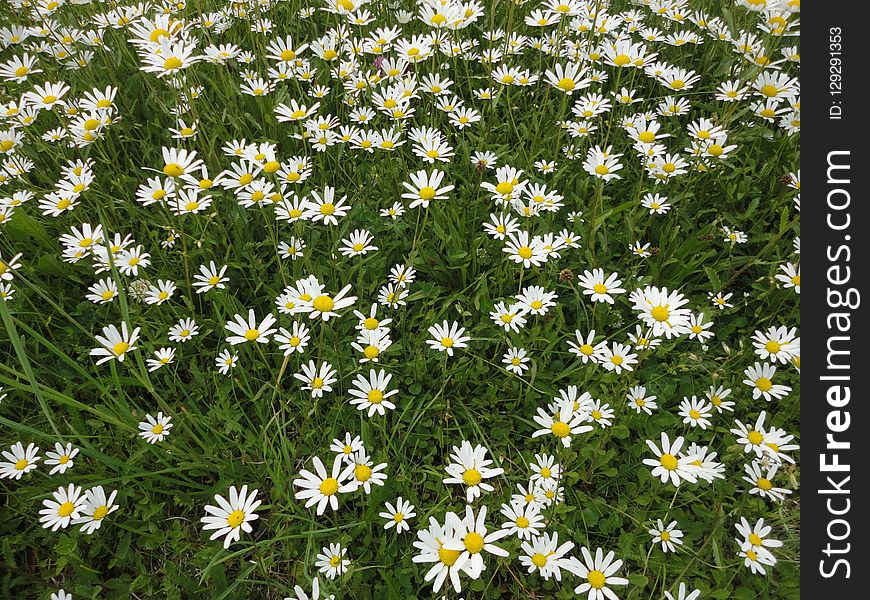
pixel 470 467
pixel 96 508
pixel 761 477
pixel 183 331
pixel 426 187
pixel 447 336
pixel 232 515
pixel 566 422
pixel 516 360
pixel 667 537
pixel 347 447
pixel 760 378
pixel 321 487
pixel 332 561
pixel 545 555
pixel 154 430
pixel 19 460
pixel 599 287
pixel 696 413
pixel 361 472
pixel 225 361
pixel 371 393
pixel 684 594
pixel 115 343
pixel 317 378
pixel 61 459
pixel 66 507
pixel 640 401
pixel 599 573
pixel 248 330
pixel 398 514
pixel 668 464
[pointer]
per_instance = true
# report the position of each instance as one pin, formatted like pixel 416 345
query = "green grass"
pixel 257 427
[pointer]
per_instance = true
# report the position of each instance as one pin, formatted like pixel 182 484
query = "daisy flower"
pixel 398 514
pixel 61 459
pixel 371 393
pixel 66 506
pixel 447 336
pixel 667 537
pixel 249 331
pixel 470 467
pixel 96 508
pixel 154 430
pixel 322 487
pixel 332 561
pixel 19 460
pixel 668 464
pixel 231 516
pixel 599 573
pixel 544 555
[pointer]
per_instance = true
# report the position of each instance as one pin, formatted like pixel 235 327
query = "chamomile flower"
pixel 183 331
pixel 524 520
pixel 65 507
pixel 470 467
pixel 232 515
pixel 97 507
pixel 398 514
pixel 363 473
pixel 372 394
pixel 155 429
pixel 667 537
pixel 19 460
pixel 61 459
pixel 332 561
pixel 695 412
pixel 760 478
pixel 321 487
pixel 599 573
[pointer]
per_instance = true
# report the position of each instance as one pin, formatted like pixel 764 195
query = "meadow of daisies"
pixel 399 299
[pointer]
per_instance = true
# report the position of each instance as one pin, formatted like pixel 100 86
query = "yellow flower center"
pixel 448 557
pixel 566 84
pixel 100 513
pixel 329 486
pixel 173 170
pixel 473 542
pixel 171 63
pixel 522 522
pixel 21 464
pixel 755 539
pixel 602 170
pixel 660 313
pixel 65 509
pixel 764 484
pixel 647 137
pixel 764 384
pixel 362 472
pixel 120 348
pixel 524 252
pixel 323 303
pixel 560 429
pixel 596 579
pixel 252 334
pixel 669 461
pixel 236 518
pixel 666 536
pixel 471 477
pixel 375 396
